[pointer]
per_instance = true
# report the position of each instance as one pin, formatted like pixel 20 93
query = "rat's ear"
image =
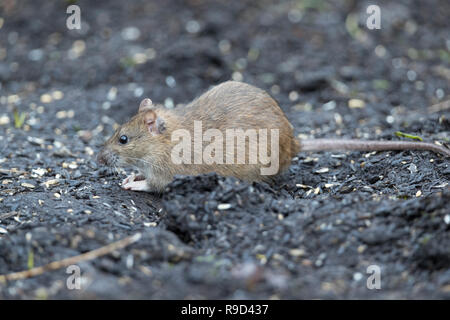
pixel 146 104
pixel 154 124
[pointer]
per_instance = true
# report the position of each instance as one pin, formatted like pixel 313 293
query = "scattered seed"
pixel 57 95
pixel 310 159
pixel 303 186
pixel 89 151
pixel 224 206
pixel 297 252
pixel 441 185
pixel 51 182
pixel 46 98
pixel 356 103
pixel 36 141
pixel 4 120
pixel 39 171
pixel 150 224
pixel 73 166
pixel 28 185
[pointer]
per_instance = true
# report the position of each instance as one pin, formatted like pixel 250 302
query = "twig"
pixel 72 260
pixel 6 215
pixel 11 171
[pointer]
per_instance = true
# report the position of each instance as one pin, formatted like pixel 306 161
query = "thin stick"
pixel 6 215
pixel 72 260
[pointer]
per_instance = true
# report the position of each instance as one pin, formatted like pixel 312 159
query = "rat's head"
pixel 133 141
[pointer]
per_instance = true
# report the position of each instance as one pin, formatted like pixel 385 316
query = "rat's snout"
pixel 103 157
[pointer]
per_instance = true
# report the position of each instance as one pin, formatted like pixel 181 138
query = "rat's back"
pixel 237 105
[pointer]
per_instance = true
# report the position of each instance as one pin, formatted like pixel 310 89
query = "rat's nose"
pixel 101 157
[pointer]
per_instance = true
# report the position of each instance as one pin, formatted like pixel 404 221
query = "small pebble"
pixel 224 46
pixel 112 94
pixel 295 15
pixel 168 103
pixel 130 33
pixel 138 92
pixel 357 276
pixel 39 171
pixel 192 26
pixel 447 219
pixel 170 81
pixel 35 54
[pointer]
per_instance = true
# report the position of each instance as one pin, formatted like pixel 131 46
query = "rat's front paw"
pixel 136 186
pixel 135 183
pixel 131 178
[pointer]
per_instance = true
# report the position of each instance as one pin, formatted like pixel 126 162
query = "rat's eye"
pixel 123 139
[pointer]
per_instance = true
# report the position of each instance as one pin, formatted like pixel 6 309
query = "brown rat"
pixel 192 140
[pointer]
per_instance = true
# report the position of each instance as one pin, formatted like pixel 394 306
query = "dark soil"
pixel 312 234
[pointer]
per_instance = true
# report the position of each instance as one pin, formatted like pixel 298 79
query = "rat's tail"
pixel 368 145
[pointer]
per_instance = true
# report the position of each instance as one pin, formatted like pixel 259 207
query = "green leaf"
pixel 19 119
pixel 30 262
pixel 406 135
